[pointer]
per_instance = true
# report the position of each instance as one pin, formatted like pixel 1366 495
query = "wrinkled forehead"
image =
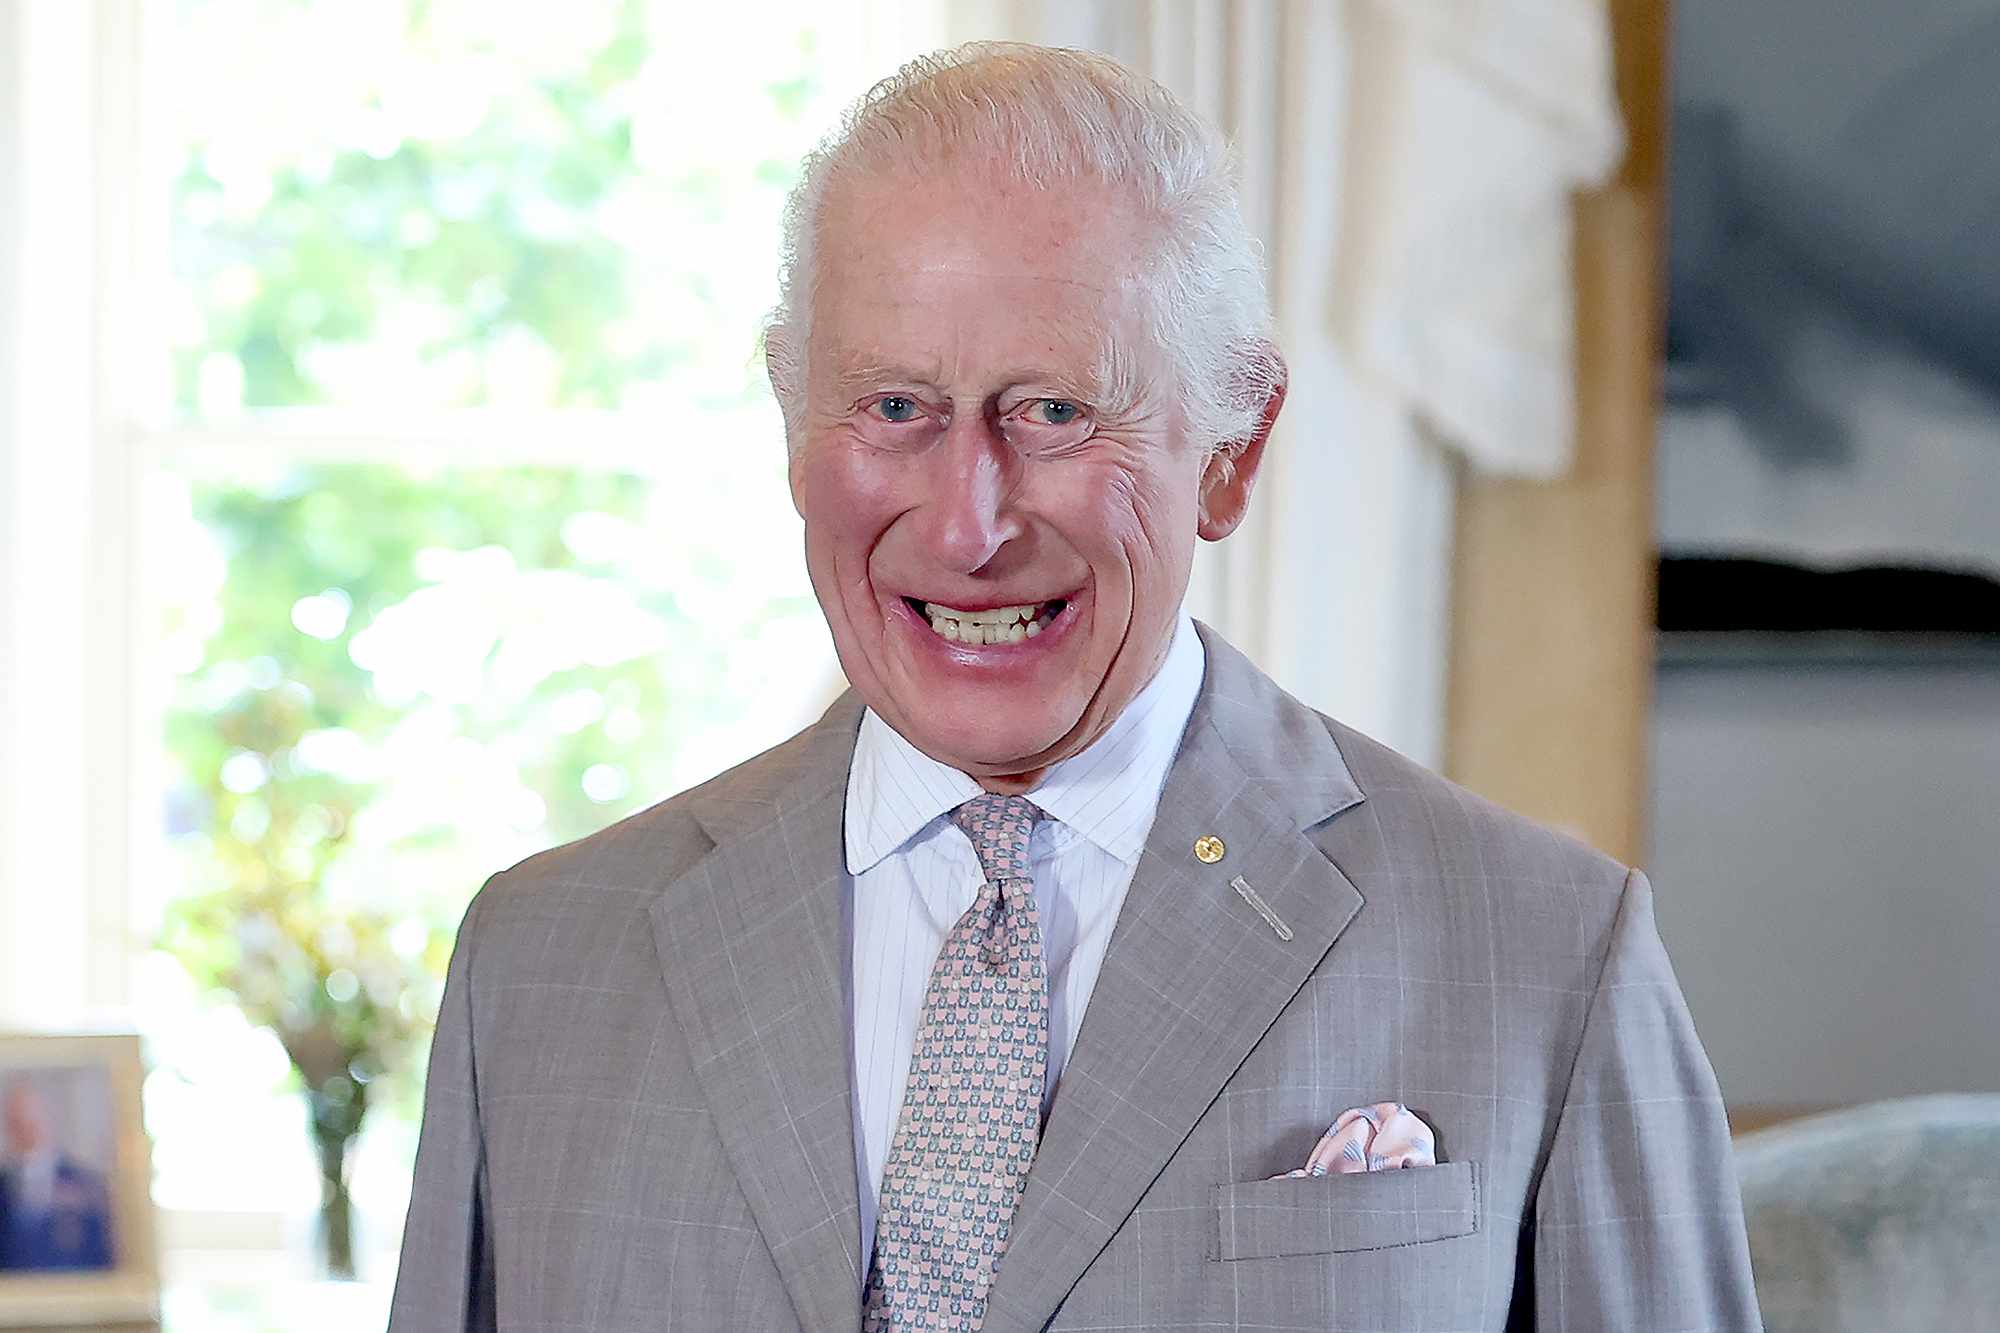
pixel 992 266
pixel 1056 220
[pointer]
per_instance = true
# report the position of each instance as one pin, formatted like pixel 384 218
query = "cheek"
pixel 845 494
pixel 1151 517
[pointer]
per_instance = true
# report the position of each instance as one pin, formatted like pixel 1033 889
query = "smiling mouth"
pixel 1000 624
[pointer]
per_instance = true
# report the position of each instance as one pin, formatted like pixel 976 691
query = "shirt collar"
pixel 1108 793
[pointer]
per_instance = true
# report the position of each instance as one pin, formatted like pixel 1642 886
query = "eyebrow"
pixel 1086 390
pixel 861 377
pixel 1110 386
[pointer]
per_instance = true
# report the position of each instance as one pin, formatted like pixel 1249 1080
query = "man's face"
pixel 966 474
pixel 26 1119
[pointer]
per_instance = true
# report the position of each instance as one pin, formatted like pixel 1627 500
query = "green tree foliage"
pixel 407 676
pixel 301 917
pixel 487 237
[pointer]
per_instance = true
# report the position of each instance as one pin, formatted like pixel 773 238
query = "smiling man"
pixel 992 450
pixel 1067 974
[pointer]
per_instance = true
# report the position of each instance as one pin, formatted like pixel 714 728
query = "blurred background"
pixel 389 490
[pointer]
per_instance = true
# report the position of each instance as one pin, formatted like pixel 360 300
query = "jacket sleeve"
pixel 444 1282
pixel 1638 1223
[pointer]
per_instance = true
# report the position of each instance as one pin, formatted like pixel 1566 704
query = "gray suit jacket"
pixel 639 1114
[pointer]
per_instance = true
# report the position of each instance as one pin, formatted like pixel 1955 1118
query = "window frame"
pixel 84 424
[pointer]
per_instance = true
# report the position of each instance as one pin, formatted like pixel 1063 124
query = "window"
pixel 458 530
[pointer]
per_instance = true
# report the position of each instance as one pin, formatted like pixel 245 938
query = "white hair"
pixel 1047 115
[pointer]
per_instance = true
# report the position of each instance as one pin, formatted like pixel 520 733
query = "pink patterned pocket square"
pixel 1381 1137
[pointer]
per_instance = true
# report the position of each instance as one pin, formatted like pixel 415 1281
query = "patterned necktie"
pixel 972 1107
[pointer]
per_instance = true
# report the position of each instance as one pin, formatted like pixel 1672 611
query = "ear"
pixel 1231 471
pixel 777 365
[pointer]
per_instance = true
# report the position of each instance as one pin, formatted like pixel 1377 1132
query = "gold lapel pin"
pixel 1208 849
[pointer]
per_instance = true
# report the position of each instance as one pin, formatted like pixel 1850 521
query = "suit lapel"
pixel 1194 975
pixel 750 941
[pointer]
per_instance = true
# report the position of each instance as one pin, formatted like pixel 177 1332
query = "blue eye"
pixel 897 408
pixel 1058 412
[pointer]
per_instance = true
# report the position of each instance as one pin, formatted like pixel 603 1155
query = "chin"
pixel 976 738
pixel 994 707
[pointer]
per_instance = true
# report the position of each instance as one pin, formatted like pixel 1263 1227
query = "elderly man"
pixel 55 1212
pixel 1067 974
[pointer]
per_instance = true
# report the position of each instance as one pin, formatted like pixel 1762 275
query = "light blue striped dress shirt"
pixel 912 874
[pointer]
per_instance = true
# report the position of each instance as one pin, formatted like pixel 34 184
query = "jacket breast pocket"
pixel 1372 1210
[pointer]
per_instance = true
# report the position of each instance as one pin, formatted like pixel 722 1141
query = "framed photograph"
pixel 1827 475
pixel 76 1215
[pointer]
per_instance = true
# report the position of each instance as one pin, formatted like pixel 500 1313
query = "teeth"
pixel 1002 624
pixel 999 615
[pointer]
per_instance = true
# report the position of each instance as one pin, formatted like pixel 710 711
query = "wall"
pixel 1825 832
pixel 1828 871
pixel 1552 582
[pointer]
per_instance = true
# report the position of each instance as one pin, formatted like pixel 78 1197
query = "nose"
pixel 973 473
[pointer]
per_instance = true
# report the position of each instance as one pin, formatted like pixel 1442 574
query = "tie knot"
pixel 999 827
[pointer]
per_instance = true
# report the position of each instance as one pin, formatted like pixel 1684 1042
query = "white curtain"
pixel 1409 165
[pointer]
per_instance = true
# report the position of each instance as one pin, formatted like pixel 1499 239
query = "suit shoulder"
pixel 1427 819
pixel 1480 892
pixel 623 865
pixel 618 861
